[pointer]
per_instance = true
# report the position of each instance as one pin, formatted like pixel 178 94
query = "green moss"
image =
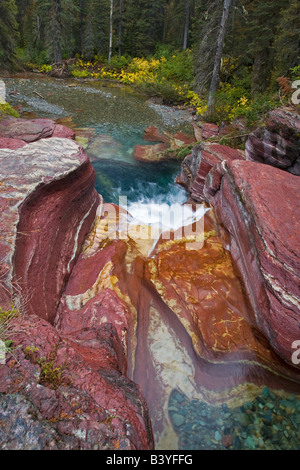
pixel 185 151
pixel 51 375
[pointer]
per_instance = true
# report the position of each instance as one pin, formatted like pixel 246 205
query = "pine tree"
pixel 186 23
pixel 8 33
pixel 287 42
pixel 57 16
pixel 143 26
pixel 206 27
pixel 101 9
pixel 262 21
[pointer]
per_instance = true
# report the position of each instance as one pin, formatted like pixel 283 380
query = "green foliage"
pixel 51 375
pixel 295 73
pixel 8 33
pixel 80 73
pixel 7 327
pixel 117 63
pixel 6 109
pixel 178 67
pixel 287 44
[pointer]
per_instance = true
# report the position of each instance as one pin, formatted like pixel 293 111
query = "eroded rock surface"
pixel 195 167
pixel 278 142
pixel 48 203
pixel 25 129
pixel 65 381
pixel 258 207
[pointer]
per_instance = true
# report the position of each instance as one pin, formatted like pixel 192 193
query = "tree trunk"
pixel 58 39
pixel 260 72
pixel 187 24
pixel 120 28
pixel 110 29
pixel 81 27
pixel 211 105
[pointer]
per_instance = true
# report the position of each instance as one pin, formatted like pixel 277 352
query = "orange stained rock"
pixel 201 288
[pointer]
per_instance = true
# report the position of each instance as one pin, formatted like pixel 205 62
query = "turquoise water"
pixel 119 116
pixel 268 422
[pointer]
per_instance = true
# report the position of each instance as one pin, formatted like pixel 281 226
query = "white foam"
pixel 165 216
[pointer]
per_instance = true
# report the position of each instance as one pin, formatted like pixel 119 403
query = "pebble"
pixel 243 420
pixel 177 419
pixel 250 443
pixel 269 422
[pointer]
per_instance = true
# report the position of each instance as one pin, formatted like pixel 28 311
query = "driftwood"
pixel 39 95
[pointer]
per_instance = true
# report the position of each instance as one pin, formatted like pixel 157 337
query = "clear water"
pixel 269 420
pixel 119 114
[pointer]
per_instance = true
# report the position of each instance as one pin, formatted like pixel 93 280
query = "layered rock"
pixel 71 374
pixel 30 130
pixel 258 208
pixel 58 393
pixel 278 142
pixel 27 130
pixel 209 130
pixel 8 143
pixel 48 203
pixel 195 167
pixel 188 323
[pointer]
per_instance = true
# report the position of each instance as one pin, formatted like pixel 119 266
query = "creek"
pixel 255 417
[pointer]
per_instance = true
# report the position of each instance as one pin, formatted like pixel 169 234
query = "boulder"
pixel 63 132
pixel 195 167
pixel 13 144
pixel 277 143
pixel 258 208
pixel 103 147
pixel 166 148
pixel 47 204
pixel 150 153
pixel 25 129
pixel 181 138
pixel 152 134
pixel 209 130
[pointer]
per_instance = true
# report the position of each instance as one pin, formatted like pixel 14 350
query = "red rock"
pixel 152 134
pixel 197 132
pixel 63 132
pixel 181 139
pixel 6 143
pixel 47 203
pixel 277 144
pixel 87 406
pixel 150 153
pixel 196 167
pixel 27 130
pixel 258 207
pixel 227 440
pixel 70 374
pixel 209 130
